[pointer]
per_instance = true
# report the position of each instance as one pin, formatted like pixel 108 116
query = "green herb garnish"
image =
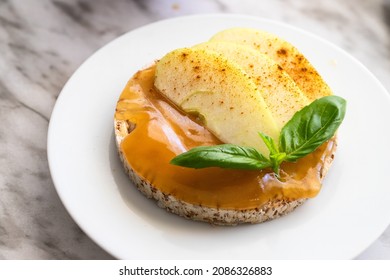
pixel 303 134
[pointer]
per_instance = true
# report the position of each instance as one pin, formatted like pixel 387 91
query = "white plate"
pixel 351 211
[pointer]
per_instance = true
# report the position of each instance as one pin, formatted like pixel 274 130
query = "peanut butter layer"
pixel 159 131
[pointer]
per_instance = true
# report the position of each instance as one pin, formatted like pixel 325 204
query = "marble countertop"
pixel 43 42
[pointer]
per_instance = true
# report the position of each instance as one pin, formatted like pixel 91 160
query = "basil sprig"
pixel 303 134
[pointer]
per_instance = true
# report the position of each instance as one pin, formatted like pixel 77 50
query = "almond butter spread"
pixel 161 131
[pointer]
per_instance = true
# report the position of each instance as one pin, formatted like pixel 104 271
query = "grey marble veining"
pixel 43 42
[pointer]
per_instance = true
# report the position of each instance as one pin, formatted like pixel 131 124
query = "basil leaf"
pixel 269 142
pixel 311 127
pixel 275 157
pixel 225 156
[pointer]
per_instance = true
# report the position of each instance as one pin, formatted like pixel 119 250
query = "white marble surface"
pixel 43 42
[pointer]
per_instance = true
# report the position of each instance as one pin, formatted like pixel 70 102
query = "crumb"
pixel 175 6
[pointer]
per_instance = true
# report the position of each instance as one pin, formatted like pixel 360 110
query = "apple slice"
pixel 205 83
pixel 285 54
pixel 282 96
